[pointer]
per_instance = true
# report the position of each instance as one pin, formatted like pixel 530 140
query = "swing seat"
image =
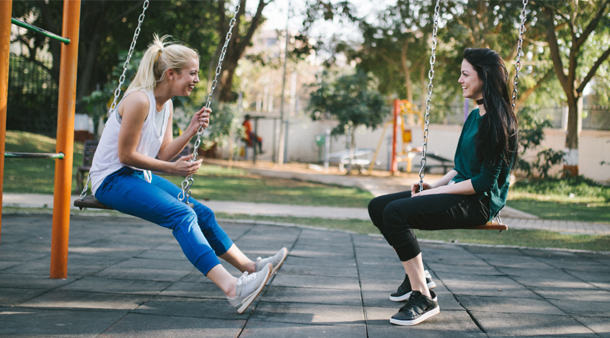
pixel 491 225
pixel 90 202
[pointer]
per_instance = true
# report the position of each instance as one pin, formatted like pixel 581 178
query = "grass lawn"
pixel 33 175
pixel 214 182
pixel 250 188
pixel 574 199
pixel 577 201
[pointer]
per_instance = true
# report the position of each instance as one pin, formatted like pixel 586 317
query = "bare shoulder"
pixel 136 103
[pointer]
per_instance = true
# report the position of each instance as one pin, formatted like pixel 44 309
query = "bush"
pixel 531 134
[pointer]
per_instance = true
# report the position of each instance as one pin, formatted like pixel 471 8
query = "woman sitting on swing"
pixel 469 195
pixel 137 139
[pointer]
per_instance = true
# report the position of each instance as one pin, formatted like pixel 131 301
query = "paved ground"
pixel 128 278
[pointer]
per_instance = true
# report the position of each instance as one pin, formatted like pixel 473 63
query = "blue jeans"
pixel 195 229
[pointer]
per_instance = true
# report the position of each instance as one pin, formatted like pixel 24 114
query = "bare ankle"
pixel 251 267
pixel 230 289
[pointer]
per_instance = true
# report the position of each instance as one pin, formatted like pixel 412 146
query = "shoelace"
pixel 246 278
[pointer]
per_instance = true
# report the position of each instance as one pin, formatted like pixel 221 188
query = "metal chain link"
pixel 184 195
pixel 117 92
pixel 429 100
pixel 518 58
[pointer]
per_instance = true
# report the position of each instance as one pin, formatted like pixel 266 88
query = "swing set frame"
pixel 65 122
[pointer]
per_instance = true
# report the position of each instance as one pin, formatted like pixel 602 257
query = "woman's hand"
pixel 200 119
pixel 184 167
pixel 415 188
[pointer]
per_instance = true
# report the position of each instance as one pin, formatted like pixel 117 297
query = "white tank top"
pixel 106 158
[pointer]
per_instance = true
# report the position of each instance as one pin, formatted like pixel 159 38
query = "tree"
pixel 353 101
pixel 242 35
pixel 107 27
pixel 572 30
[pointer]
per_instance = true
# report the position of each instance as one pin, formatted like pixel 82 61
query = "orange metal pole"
pixel 394 163
pixel 65 140
pixel 6 8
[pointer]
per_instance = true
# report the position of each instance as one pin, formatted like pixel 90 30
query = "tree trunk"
pixel 408 83
pixel 352 148
pixel 574 126
pixel 236 47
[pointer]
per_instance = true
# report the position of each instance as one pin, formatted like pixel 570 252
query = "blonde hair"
pixel 158 58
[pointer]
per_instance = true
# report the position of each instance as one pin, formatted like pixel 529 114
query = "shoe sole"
pixel 275 268
pixel 418 320
pixel 248 300
pixel 406 296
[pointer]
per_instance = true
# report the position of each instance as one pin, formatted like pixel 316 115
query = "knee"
pixel 184 218
pixel 395 217
pixel 203 212
pixel 375 209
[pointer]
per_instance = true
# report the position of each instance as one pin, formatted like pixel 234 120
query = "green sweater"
pixel 487 180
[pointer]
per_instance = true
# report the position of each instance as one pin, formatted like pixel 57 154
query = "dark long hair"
pixel 497 137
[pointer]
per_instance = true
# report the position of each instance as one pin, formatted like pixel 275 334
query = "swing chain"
pixel 117 91
pixel 184 195
pixel 518 58
pixel 429 100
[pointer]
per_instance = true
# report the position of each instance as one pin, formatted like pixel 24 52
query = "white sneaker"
pixel 249 286
pixel 275 260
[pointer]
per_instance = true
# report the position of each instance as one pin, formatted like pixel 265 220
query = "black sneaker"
pixel 417 309
pixel 404 290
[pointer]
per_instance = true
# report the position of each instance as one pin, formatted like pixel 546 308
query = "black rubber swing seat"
pixel 90 202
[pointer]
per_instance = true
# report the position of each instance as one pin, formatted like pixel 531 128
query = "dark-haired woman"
pixel 469 195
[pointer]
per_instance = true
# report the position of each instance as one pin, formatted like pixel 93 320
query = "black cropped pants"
pixel 396 215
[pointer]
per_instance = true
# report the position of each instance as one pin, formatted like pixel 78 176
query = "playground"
pixel 95 264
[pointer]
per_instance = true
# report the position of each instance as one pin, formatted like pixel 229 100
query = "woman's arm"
pixel 478 184
pixel 134 111
pixel 442 182
pixel 461 188
pixel 172 147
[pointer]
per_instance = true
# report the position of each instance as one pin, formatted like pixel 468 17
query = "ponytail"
pixel 158 58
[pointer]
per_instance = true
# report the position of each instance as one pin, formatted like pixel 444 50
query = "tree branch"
pixel 528 92
pixel 253 26
pixel 592 24
pixel 551 38
pixel 592 71
pixel 124 14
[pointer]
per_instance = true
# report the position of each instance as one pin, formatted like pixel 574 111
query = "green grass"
pixel 248 188
pixel 214 182
pixel 33 175
pixel 573 199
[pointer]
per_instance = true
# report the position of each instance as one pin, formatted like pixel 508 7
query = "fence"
pixel 32 96
pixel 593 117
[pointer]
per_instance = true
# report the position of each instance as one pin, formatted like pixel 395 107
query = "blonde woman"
pixel 137 139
